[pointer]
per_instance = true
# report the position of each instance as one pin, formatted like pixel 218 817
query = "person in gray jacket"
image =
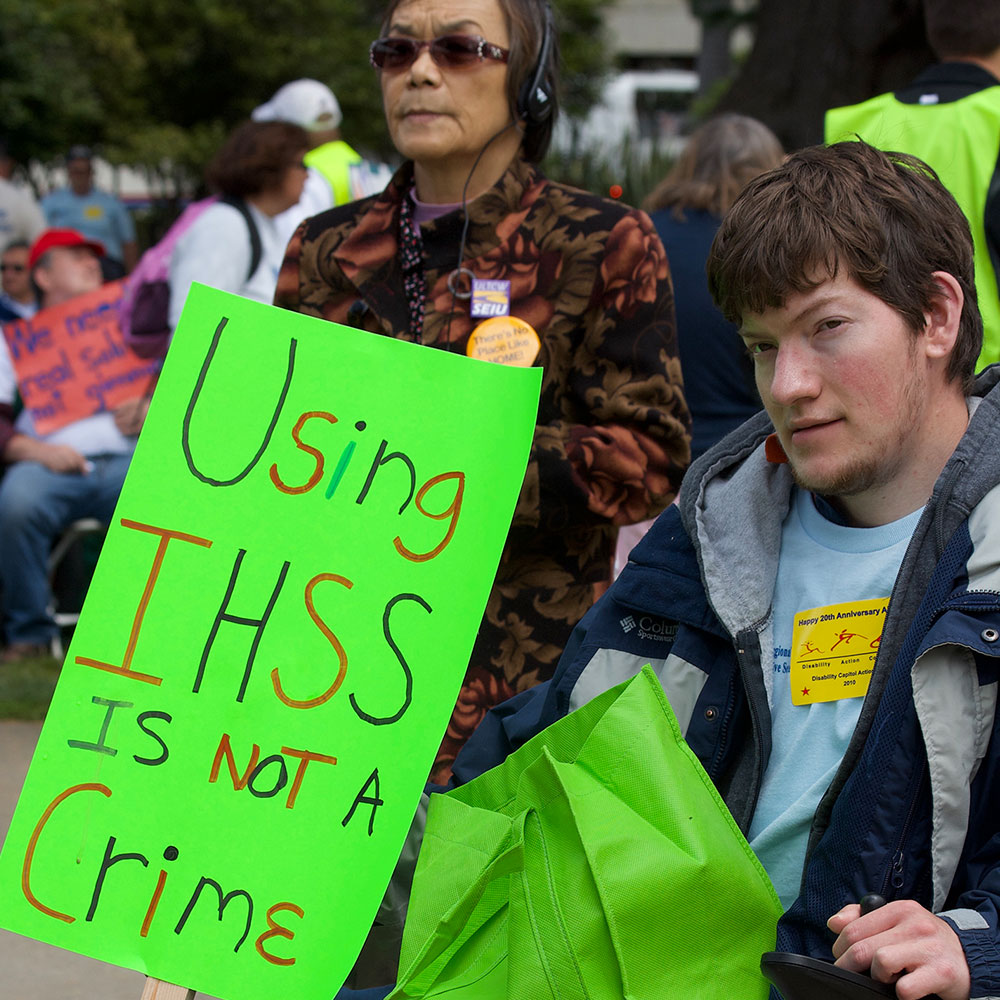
pixel 821 606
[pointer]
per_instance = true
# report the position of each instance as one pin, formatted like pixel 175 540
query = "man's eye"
pixel 756 350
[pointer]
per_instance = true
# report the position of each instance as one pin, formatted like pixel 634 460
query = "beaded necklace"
pixel 411 255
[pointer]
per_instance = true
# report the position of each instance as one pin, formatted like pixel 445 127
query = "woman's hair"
pixel 255 157
pixel 527 21
pixel 720 158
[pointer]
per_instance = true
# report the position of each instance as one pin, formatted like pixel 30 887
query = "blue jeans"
pixel 36 505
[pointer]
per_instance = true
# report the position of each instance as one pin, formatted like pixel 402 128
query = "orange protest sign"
pixel 71 361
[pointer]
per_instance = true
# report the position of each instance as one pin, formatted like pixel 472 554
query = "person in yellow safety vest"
pixel 949 116
pixel 337 173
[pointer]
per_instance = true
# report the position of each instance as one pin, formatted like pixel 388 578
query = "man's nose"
pixel 795 375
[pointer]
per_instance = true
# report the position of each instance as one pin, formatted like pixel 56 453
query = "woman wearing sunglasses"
pixel 469 89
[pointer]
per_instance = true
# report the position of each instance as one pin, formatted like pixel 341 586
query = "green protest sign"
pixel 269 653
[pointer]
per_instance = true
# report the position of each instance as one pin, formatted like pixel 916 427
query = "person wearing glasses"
pixel 235 244
pixel 468 225
pixel 17 298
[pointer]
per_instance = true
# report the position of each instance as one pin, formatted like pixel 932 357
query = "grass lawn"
pixel 26 687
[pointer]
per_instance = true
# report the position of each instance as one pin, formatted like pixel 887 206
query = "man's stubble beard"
pixel 870 472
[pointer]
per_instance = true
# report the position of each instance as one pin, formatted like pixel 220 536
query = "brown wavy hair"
pixel 884 217
pixel 720 157
pixel 255 157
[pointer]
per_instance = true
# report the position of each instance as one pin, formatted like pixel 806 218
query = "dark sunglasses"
pixel 13 267
pixel 451 51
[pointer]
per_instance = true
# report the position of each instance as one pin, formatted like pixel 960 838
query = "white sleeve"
pixel 214 251
pixel 316 197
pixel 8 380
pixel 33 221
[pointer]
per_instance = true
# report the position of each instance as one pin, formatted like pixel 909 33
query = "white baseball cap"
pixel 308 103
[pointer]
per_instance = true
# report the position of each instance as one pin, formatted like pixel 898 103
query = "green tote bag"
pixel 598 861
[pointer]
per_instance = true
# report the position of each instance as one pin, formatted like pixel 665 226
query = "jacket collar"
pixel 733 502
pixel 368 256
pixel 967 76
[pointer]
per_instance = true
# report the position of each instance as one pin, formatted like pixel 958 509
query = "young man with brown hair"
pixel 852 525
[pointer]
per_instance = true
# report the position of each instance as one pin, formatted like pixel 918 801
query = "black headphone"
pixel 534 100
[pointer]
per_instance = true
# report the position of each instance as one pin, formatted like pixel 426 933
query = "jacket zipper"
pixel 720 747
pixel 895 876
pixel 755 722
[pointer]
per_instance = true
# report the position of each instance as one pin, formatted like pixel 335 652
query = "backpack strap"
pixel 255 248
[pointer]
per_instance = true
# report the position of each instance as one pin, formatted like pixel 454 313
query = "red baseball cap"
pixel 60 238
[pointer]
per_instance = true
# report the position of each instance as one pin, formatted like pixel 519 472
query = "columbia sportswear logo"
pixel 654 629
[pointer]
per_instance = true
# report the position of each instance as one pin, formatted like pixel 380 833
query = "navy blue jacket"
pixel 914 811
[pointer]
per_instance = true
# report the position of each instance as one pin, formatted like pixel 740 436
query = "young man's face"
pixel 849 388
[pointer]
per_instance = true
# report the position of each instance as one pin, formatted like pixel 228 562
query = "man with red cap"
pixel 51 480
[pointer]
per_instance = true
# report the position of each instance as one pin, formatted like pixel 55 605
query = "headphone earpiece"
pixel 534 100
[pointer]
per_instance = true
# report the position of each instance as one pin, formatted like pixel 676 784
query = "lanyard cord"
pixel 460 272
pixel 412 257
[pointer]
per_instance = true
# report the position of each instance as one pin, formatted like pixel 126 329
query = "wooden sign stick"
pixel 157 989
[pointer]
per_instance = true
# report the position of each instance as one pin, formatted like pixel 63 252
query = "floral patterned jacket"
pixel 611 442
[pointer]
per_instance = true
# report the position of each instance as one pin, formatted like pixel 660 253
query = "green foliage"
pixel 584 51
pixel 210 62
pixel 637 174
pixel 52 89
pixel 157 86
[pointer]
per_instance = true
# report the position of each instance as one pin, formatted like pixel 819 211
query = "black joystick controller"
pixel 799 977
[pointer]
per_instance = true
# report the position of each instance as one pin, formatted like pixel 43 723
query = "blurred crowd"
pixel 643 374
pixel 591 474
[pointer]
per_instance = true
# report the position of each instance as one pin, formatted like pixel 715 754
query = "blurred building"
pixel 654 34
pixel 644 104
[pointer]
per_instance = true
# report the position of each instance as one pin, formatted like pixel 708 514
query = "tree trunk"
pixel 811 55
pixel 714 61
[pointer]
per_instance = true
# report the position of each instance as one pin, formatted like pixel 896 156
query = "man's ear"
pixel 942 318
pixel 40 276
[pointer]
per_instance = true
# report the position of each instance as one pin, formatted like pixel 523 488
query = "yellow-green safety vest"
pixel 961 141
pixel 334 161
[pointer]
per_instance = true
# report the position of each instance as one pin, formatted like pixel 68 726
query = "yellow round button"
pixel 505 340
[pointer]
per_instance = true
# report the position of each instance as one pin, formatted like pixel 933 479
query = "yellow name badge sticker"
pixel 833 650
pixel 505 340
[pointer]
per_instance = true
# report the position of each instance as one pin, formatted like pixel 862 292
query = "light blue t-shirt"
pixel 97 214
pixel 821 563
